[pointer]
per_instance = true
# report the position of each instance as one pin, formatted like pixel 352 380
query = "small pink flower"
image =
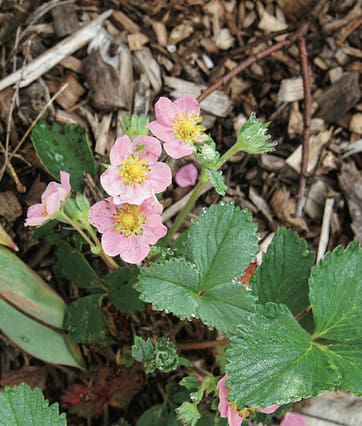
pixel 229 410
pixel 293 419
pixel 128 229
pixel 178 125
pixel 134 173
pixel 187 175
pixel 52 198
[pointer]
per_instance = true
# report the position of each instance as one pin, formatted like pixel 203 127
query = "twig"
pixel 324 238
pixel 57 53
pixel 307 114
pixel 201 345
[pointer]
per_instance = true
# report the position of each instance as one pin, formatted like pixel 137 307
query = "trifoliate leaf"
pixel 220 246
pixel 283 274
pixel 281 362
pixel 121 291
pixel 20 405
pixel 217 180
pixel 84 320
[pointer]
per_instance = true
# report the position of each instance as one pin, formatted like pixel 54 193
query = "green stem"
pixel 203 179
pixel 107 260
pixel 227 155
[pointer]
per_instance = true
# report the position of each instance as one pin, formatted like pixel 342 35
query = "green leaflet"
pixel 64 147
pixel 217 180
pixel 283 275
pixel 20 405
pixel 281 362
pixel 220 246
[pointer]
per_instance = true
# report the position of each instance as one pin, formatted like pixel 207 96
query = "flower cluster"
pixel 129 219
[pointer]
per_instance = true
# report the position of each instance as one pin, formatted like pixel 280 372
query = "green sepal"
pixel 217 180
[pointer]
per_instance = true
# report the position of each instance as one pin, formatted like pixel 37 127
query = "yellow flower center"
pixel 133 170
pixel 129 220
pixel 245 412
pixel 187 128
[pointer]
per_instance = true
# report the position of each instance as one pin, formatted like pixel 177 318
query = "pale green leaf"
pixel 22 406
pixel 217 180
pixel 28 303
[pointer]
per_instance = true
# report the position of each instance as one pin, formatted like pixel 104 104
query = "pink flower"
pixel 229 409
pixel 134 173
pixel 128 229
pixel 187 175
pixel 293 419
pixel 178 125
pixel 51 200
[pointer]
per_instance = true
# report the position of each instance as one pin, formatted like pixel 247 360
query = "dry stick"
pixel 307 114
pixel 324 238
pixel 201 345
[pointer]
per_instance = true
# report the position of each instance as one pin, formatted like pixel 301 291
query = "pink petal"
pixel 111 181
pixel 121 149
pixel 35 215
pixel 153 229
pixel 159 178
pixel 268 410
pixel 65 181
pixel 52 203
pixel 151 206
pixel 224 404
pixel 51 188
pixel 234 418
pixel 187 175
pixel 112 242
pixel 177 148
pixel 160 131
pixel 135 250
pixel 293 419
pixel 101 215
pixel 152 148
pixel 187 104
pixel 165 111
pixel 133 194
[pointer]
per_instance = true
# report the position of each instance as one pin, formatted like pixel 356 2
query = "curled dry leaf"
pixel 284 207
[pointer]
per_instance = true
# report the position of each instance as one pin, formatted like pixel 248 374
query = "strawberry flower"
pixel 134 173
pixel 51 201
pixel 229 409
pixel 128 229
pixel 187 175
pixel 178 125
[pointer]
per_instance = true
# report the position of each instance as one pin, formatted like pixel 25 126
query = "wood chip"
pixel 65 19
pixel 355 124
pixel 269 23
pixel 217 103
pixel 315 199
pixel 350 180
pixel 150 67
pixel 261 205
pixel 103 137
pixel 180 32
pixel 290 90
pixel 71 95
pixel 125 21
pixel 160 30
pixel 103 82
pixel 284 207
pixel 10 208
pixel 295 9
pixel 136 41
pixel 223 39
pixel 73 64
pixel 339 98
pixel 126 76
pixel 316 144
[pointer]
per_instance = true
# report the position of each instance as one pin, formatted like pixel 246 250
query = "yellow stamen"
pixel 187 128
pixel 129 220
pixel 245 412
pixel 133 170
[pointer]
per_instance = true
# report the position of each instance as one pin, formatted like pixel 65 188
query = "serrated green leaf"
pixel 221 245
pixel 281 362
pixel 143 350
pixel 275 356
pixel 188 413
pixel 72 265
pixel 20 405
pixel 64 147
pixel 28 293
pixel 121 291
pixel 283 275
pixel 85 321
pixel 217 180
